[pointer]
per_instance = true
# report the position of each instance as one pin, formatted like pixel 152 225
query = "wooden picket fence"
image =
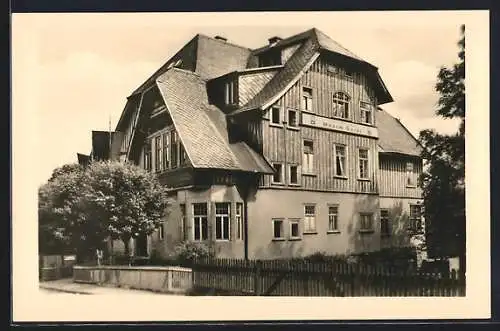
pixel 305 278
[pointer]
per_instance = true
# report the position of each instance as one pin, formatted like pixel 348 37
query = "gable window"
pixel 173 149
pixel 366 112
pixel 166 144
pixel 276 115
pixel 366 222
pixel 278 229
pixel 333 218
pixel 292 118
pixel 158 154
pixel 239 221
pixel 307 99
pixel 200 221
pixel 183 221
pixel 230 93
pixel 294 229
pixel 348 73
pixel 415 217
pixel 308 157
pixel 363 163
pixel 410 178
pixel 294 174
pixel 340 161
pixel 341 105
pixel 278 173
pixel 310 218
pixel 147 156
pixel 385 229
pixel 222 221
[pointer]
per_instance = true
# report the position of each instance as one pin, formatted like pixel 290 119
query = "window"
pixel 278 173
pixel 415 217
pixel 348 73
pixel 385 229
pixel 294 229
pixel 341 105
pixel 366 112
pixel 173 149
pixel 294 176
pixel 363 163
pixel 161 230
pixel 230 95
pixel 307 99
pixel 239 221
pixel 292 118
pixel 366 222
pixel 278 229
pixel 182 154
pixel 308 157
pixel 200 220
pixel 182 207
pixel 276 115
pixel 333 218
pixel 222 221
pixel 166 144
pixel 410 180
pixel 147 156
pixel 309 218
pixel 340 161
pixel 158 150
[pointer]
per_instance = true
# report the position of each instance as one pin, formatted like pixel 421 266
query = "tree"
pixel 443 182
pixel 127 201
pixel 59 210
pixel 84 207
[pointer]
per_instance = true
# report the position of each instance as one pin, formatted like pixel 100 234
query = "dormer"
pixel 270 58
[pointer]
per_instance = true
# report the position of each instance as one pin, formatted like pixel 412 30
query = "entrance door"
pixel 141 245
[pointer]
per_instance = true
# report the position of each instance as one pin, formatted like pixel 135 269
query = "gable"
pixel 394 137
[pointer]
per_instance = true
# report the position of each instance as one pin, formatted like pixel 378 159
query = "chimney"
pixel 221 38
pixel 274 40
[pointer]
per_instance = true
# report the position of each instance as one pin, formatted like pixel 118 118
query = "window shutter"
pixel 188 234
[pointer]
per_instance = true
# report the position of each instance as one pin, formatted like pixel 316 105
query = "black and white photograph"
pixel 249 157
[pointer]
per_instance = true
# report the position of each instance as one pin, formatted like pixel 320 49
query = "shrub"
pixel 188 251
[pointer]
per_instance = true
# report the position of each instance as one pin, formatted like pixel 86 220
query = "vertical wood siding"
pixel 282 144
pixel 393 177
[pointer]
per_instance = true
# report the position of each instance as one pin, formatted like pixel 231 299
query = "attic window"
pixel 332 69
pixel 230 93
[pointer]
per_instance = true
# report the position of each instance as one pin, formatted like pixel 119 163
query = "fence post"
pixel 256 278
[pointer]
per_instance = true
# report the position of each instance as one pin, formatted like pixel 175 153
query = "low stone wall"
pixel 158 279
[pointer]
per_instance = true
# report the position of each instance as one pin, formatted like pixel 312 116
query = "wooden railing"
pixel 303 278
pixel 158 279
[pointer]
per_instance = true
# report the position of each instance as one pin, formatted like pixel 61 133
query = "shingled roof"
pixel 313 42
pixel 394 137
pixel 202 127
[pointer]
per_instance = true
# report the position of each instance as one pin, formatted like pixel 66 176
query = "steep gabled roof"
pixel 285 78
pixel 394 137
pixel 206 56
pixel 312 43
pixel 202 127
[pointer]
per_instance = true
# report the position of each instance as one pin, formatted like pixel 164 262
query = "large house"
pixel 272 152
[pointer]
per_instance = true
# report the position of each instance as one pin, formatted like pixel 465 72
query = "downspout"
pixel 245 218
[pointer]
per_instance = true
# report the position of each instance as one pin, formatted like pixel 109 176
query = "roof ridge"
pixel 224 42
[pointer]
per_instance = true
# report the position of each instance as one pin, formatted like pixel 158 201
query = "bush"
pixel 188 251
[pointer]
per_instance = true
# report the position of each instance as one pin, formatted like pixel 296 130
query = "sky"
pixel 83 66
